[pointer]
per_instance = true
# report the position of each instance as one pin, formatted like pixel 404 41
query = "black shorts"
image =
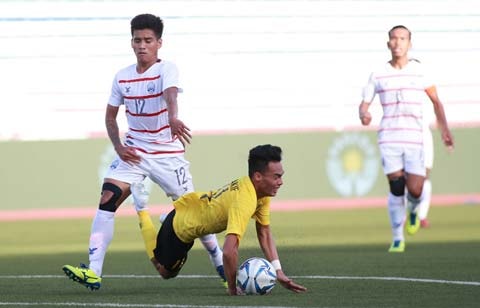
pixel 171 252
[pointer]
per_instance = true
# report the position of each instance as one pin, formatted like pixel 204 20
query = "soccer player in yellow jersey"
pixel 228 209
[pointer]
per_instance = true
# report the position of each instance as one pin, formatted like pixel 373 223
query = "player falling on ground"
pixel 154 145
pixel 401 86
pixel 228 209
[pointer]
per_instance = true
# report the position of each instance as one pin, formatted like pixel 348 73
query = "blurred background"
pixel 274 71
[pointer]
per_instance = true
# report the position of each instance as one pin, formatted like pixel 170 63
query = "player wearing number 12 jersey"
pixel 153 147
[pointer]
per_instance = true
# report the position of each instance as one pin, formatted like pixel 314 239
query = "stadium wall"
pixel 335 166
pixel 288 72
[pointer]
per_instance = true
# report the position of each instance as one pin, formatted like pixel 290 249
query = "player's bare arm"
pixel 230 260
pixel 364 114
pixel 126 154
pixel 441 117
pixel 269 249
pixel 267 244
pixel 178 128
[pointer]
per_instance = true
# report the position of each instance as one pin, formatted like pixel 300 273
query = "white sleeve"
pixel 116 96
pixel 369 90
pixel 170 77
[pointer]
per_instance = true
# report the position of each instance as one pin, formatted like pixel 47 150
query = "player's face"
pixel 146 45
pixel 399 43
pixel 270 181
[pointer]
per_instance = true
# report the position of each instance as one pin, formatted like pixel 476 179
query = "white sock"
pixel 163 217
pixel 412 202
pixel 424 205
pixel 211 245
pixel 397 212
pixel 100 237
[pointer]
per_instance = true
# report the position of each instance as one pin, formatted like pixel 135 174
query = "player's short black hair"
pixel 261 155
pixel 400 27
pixel 147 21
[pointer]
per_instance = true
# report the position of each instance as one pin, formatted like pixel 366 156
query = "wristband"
pixel 276 265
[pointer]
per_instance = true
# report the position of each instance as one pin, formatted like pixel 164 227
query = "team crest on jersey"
pixel 127 90
pixel 150 87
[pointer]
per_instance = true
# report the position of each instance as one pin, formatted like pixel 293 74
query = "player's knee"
pixel 110 202
pixel 397 186
pixel 168 274
pixel 415 192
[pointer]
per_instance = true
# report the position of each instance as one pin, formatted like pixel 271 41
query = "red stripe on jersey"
pixel 397 103
pixel 154 142
pixel 139 79
pixel 145 96
pixel 150 131
pixel 400 89
pixel 145 114
pixel 159 152
pixel 401 116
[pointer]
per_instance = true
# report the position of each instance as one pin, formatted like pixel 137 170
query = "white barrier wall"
pixel 245 65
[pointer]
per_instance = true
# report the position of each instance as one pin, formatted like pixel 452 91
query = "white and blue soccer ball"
pixel 256 276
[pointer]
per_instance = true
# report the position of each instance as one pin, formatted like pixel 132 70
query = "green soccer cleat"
pixel 413 223
pixel 84 276
pixel 397 246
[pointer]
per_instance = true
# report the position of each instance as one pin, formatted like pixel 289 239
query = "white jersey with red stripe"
pixel 146 109
pixel 402 95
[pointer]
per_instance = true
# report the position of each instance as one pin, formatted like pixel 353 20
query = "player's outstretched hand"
pixel 237 291
pixel 181 131
pixel 289 284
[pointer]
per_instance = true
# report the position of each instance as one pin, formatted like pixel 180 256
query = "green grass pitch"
pixel 341 256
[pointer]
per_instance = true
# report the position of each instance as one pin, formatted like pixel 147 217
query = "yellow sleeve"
pixel 262 214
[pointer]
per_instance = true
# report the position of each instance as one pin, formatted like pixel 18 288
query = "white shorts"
pixel 428 148
pixel 172 174
pixel 409 159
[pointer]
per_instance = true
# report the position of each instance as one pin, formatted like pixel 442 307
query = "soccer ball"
pixel 256 276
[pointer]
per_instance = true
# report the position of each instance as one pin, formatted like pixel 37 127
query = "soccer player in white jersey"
pixel 401 87
pixel 154 147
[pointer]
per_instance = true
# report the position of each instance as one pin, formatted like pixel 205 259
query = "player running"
pixel 154 145
pixel 401 86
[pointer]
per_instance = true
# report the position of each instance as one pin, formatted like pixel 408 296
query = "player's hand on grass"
pixel 128 155
pixel 236 291
pixel 288 283
pixel 181 131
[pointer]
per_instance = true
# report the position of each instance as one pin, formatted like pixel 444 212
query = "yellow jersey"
pixel 226 209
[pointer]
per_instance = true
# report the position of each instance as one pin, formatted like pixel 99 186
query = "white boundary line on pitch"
pixel 425 280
